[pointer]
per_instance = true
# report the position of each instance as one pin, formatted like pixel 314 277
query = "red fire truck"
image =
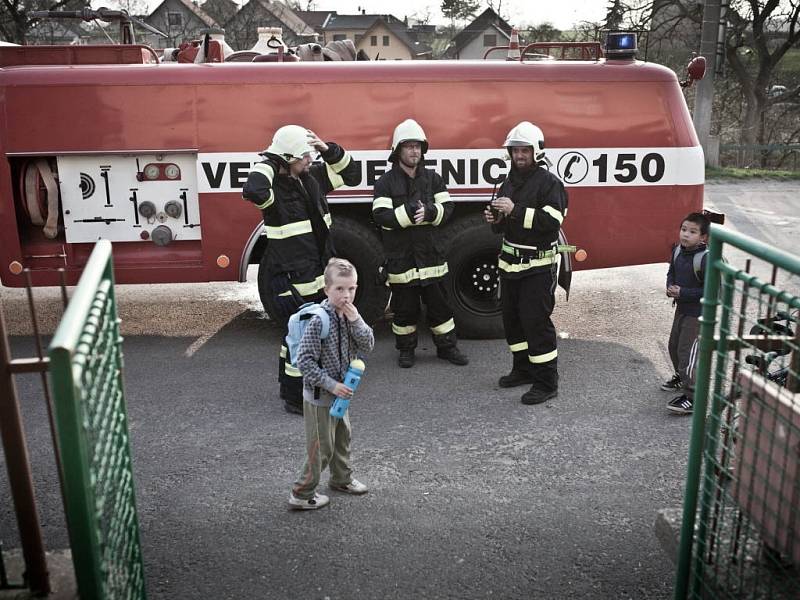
pixel 153 156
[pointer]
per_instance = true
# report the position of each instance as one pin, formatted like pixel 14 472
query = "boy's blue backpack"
pixel 297 325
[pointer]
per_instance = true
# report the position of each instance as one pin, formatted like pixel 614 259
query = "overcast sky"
pixel 561 13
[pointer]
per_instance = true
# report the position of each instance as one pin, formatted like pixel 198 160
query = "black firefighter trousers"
pixel 405 305
pixel 527 304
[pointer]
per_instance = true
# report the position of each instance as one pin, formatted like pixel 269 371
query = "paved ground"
pixel 473 495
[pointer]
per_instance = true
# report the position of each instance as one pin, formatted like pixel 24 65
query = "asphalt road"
pixel 472 494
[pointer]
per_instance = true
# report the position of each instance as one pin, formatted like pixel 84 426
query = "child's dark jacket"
pixel 681 273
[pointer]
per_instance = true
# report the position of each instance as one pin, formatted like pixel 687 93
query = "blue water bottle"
pixel 351 379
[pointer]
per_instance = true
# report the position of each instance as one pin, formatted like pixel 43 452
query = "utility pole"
pixel 704 97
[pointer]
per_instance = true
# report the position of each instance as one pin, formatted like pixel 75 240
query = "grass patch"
pixel 737 173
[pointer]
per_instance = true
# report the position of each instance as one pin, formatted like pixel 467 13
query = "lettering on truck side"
pixel 467 169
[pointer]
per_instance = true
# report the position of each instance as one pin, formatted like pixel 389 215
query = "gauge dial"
pixel 151 171
pixel 172 171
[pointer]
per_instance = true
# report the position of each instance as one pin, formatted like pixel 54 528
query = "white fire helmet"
pixel 526 134
pixel 408 131
pixel 290 142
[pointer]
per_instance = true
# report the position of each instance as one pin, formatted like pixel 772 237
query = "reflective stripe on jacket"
pixel 414 253
pixel 530 232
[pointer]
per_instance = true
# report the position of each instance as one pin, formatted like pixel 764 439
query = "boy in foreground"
pixel 323 363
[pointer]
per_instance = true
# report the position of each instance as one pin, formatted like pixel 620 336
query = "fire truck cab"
pixel 107 143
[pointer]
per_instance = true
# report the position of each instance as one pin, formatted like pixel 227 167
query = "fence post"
pixel 707 326
pixel 19 472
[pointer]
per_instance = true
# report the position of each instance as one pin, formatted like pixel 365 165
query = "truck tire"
pixel 360 245
pixel 473 281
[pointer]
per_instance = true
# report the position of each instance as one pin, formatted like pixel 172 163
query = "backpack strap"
pixel 697 264
pixel 325 319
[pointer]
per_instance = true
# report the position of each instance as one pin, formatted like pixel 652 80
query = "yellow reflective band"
pixel 284 351
pixel 268 201
pixel 265 170
pixel 286 293
pixel 424 273
pixel 527 222
pixel 310 288
pixel 292 371
pixel 442 197
pixel 382 202
pixel 439 214
pixel 518 347
pixel 403 330
pixel 340 166
pixel 287 231
pixel 543 358
pixel 327 219
pixel 445 327
pixel 335 179
pixel 554 213
pixel 402 216
pixel 524 266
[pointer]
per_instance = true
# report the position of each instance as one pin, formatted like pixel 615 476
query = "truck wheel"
pixel 473 282
pixel 360 245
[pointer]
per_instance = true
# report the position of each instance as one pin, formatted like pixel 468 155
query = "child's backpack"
pixel 697 261
pixel 297 325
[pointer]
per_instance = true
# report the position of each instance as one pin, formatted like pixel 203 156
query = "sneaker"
pixel 453 355
pixel 537 396
pixel 355 487
pixel 406 359
pixel 681 405
pixel 515 378
pixel 672 384
pixel 313 503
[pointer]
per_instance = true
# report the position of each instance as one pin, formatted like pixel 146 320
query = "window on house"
pixel 386 40
pixel 490 40
pixel 359 37
pixel 373 40
pixel 175 19
pixel 339 37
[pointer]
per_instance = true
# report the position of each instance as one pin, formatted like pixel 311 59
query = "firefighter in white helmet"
pixel 529 210
pixel 291 193
pixel 410 205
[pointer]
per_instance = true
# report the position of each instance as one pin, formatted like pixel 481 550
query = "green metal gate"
pixel 91 422
pixel 740 536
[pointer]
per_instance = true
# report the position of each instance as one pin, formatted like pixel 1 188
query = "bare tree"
pixel 15 22
pixel 758 35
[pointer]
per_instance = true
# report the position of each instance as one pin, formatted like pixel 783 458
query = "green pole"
pixel 707 326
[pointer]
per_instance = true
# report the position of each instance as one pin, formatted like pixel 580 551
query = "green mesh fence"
pixel 740 536
pixel 91 421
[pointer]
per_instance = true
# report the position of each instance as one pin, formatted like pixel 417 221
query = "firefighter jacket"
pixel 530 232
pixel 296 216
pixel 414 253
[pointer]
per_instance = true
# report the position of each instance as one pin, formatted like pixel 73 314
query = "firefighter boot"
pixel 520 372
pixel 545 384
pixel 406 344
pixel 447 349
pixel 406 358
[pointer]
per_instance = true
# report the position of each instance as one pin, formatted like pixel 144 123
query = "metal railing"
pixel 740 535
pixel 91 419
